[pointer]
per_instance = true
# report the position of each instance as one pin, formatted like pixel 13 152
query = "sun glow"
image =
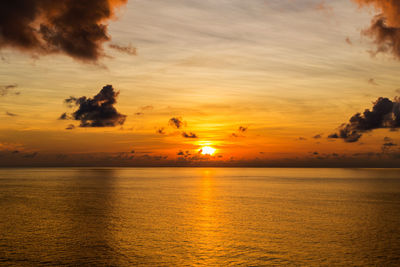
pixel 207 150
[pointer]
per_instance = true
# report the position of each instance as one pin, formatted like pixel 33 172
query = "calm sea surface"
pixel 199 216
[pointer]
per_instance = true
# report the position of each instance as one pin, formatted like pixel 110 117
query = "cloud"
pixel 161 130
pixel 322 6
pixel 144 108
pixel 387 139
pixel 189 135
pixel 185 154
pixel 70 127
pixel 11 114
pixel 387 145
pixel 318 136
pixel 98 111
pixel 75 28
pixel 64 116
pixel 348 41
pixel 385 27
pixel 10 146
pixel 176 122
pixel 30 155
pixel 5 89
pixel 148 107
pixel 384 114
pixel 242 129
pixel 130 50
pixel 372 81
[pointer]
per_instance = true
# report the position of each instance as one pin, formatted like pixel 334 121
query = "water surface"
pixel 199 216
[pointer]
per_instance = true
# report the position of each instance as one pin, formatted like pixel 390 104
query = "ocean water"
pixel 199 217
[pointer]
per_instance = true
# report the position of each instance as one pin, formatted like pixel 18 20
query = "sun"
pixel 207 150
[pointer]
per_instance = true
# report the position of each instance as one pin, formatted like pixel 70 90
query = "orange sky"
pixel 262 82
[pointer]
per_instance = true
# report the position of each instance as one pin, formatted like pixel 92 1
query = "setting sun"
pixel 207 150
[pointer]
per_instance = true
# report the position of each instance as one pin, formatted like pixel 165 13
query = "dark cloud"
pixel 387 139
pixel 6 89
pixel 130 50
pixel 384 114
pixel 98 111
pixel 70 127
pixel 389 144
pixel 185 154
pixel 144 108
pixel 318 136
pixel 242 129
pixel 73 27
pixel 161 130
pixel 64 116
pixel 176 122
pixel 189 135
pixel 11 114
pixel 385 27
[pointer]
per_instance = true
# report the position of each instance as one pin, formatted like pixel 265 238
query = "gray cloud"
pixel 70 127
pixel 161 130
pixel 98 111
pixel 318 136
pixel 384 114
pixel 176 122
pixel 189 135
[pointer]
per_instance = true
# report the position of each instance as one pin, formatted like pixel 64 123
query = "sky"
pixel 158 82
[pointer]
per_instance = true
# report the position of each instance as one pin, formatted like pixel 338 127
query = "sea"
pixel 199 217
